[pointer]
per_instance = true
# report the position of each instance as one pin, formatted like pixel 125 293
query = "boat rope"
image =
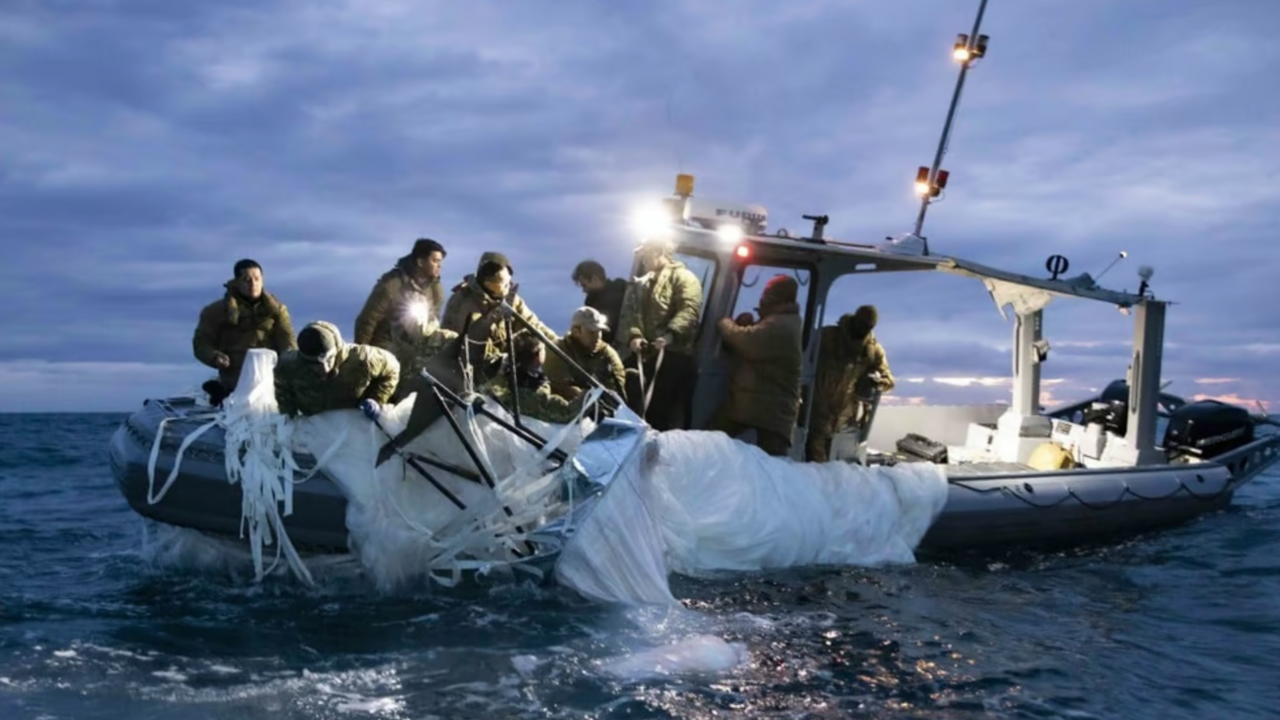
pixel 152 496
pixel 647 393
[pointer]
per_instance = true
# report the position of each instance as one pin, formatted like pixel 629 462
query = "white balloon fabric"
pixel 694 502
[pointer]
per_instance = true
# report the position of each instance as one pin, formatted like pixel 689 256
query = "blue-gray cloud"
pixel 146 146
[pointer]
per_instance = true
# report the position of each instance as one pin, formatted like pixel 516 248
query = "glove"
pixel 371 409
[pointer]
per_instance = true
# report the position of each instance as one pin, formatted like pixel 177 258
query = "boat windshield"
pixel 704 267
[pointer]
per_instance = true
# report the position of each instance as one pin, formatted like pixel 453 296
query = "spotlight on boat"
pixel 922 181
pixel 961 50
pixel 730 233
pixel 651 221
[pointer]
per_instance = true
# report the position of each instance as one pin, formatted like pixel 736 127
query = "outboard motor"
pixel 1115 391
pixel 1118 391
pixel 1206 429
pixel 1112 415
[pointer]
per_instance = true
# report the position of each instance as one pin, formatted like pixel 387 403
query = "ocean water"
pixel 97 620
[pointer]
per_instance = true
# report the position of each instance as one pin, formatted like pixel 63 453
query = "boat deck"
pixel 970 469
pixel 987 468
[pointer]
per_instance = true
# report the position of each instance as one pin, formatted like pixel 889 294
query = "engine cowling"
pixel 1206 429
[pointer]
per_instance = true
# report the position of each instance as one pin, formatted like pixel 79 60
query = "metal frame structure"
pixel 831 260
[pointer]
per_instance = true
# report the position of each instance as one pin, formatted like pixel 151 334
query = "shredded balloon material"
pixel 688 502
pixel 697 502
pixel 400 526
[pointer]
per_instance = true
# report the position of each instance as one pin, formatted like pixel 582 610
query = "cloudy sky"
pixel 146 145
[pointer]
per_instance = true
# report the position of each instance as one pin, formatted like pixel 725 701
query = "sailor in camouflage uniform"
pixel 585 345
pixel 850 356
pixel 481 294
pixel 532 388
pixel 325 373
pixel 661 313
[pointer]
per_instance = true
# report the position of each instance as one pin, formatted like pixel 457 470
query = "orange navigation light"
pixel 684 185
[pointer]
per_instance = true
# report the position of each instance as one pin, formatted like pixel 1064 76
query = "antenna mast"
pixel 931 181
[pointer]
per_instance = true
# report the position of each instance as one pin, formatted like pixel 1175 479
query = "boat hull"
pixel 1029 509
pixel 991 509
pixel 200 497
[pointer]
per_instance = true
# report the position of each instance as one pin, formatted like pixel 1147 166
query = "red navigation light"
pixel 743 252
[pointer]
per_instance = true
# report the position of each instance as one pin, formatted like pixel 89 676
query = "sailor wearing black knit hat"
pixel 325 373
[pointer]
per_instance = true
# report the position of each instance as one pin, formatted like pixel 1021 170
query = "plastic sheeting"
pixel 401 527
pixel 697 502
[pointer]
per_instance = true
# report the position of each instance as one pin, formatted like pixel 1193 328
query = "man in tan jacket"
pixel 586 347
pixel 764 392
pixel 405 298
pixel 480 296
pixel 661 317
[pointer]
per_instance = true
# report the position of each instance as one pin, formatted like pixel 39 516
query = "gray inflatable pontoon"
pixel 990 505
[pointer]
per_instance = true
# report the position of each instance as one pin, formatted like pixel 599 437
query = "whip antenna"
pixel 1119 257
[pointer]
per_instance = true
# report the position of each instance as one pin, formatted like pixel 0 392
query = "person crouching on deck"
pixel 533 390
pixel 850 357
pixel 585 346
pixel 325 373
pixel 764 392
pixel 247 317
pixel 661 321
pixel 481 294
